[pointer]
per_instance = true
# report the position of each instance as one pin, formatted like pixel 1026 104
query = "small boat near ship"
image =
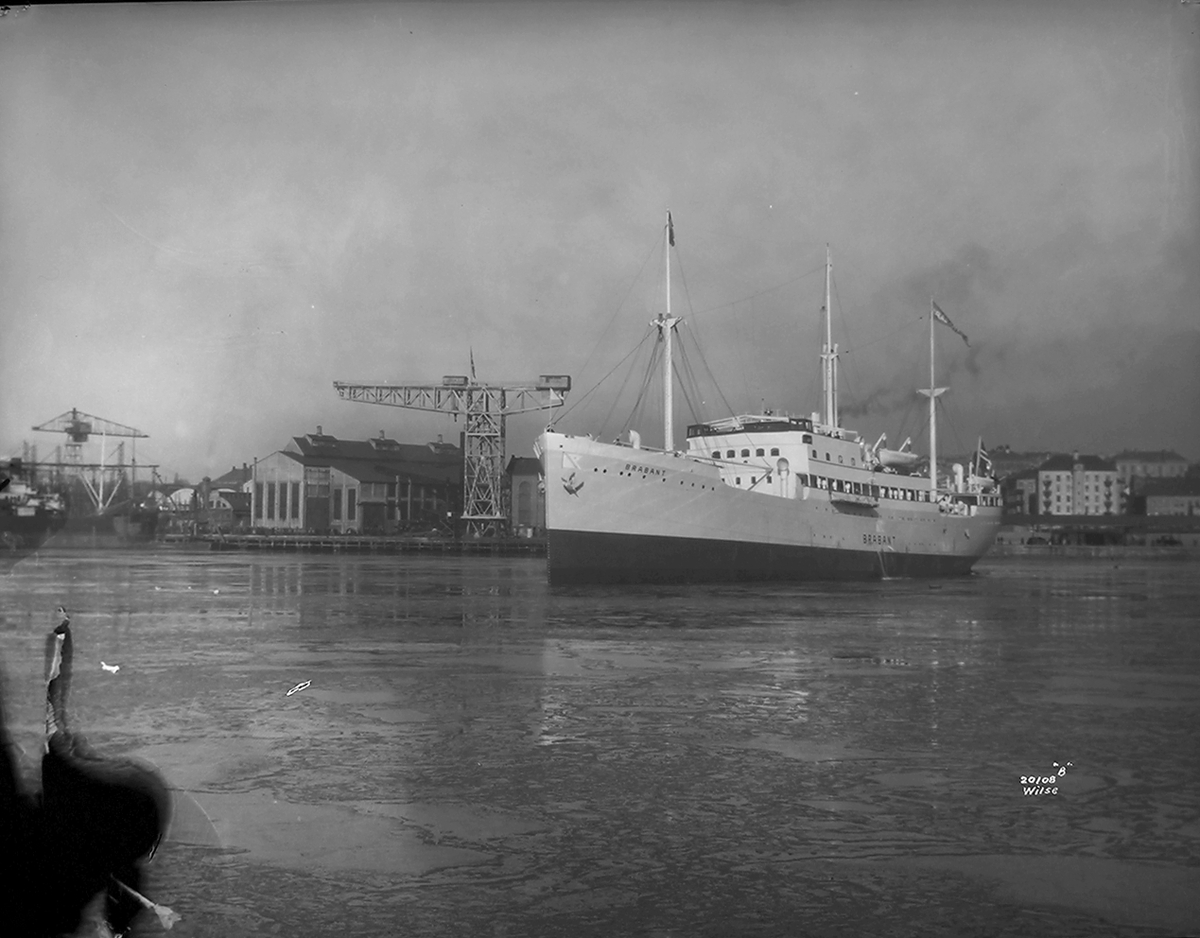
pixel 762 496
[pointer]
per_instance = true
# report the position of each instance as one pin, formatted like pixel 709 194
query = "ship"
pixel 763 496
pixel 29 514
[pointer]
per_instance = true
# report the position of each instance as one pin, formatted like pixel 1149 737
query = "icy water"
pixel 479 754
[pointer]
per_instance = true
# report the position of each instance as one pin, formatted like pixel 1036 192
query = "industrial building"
pixel 318 483
pixel 526 495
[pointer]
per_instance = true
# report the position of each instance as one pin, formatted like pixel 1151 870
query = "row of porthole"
pixel 632 474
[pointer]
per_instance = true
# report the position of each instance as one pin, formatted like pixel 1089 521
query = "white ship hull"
pixel 619 514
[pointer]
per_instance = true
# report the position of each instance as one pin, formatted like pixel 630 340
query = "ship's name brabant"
pixel 646 470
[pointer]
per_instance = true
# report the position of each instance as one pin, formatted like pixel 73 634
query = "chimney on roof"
pixel 439 439
pixel 320 432
pixel 381 434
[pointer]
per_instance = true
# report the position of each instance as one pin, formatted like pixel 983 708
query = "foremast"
pixel 666 324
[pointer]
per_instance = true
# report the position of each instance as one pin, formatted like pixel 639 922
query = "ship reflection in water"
pixel 477 752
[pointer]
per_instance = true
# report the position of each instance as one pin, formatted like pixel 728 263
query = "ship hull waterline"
pixel 616 514
pixel 581 557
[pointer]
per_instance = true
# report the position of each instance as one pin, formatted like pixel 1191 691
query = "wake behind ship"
pixel 762 497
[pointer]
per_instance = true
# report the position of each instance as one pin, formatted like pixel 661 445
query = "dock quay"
pixel 364 544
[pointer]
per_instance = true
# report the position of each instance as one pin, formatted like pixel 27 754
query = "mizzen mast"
pixel 933 393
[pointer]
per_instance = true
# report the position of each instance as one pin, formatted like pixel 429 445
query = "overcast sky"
pixel 209 212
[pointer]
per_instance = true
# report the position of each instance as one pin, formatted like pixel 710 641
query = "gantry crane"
pixel 484 407
pixel 101 480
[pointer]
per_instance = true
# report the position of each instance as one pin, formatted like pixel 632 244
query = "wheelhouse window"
pixel 745 452
pixel 759 452
pixel 774 450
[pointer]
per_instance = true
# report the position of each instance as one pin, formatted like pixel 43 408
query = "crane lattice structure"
pixel 484 407
pixel 101 480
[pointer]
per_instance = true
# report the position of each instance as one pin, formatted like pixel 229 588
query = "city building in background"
pixel 1079 485
pixel 1174 496
pixel 1141 464
pixel 1020 492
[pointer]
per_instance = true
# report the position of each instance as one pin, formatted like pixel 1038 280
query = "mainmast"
pixel 933 393
pixel 666 325
pixel 829 413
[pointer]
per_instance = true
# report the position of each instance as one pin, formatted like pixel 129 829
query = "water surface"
pixel 478 753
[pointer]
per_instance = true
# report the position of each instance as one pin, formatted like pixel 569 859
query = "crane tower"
pixel 484 407
pixel 102 479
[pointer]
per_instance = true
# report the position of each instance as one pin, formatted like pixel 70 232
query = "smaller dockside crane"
pixel 484 407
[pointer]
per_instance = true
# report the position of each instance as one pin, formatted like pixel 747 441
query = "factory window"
pixel 258 493
pixel 350 504
pixel 337 504
pixel 296 501
pixel 270 501
pixel 283 501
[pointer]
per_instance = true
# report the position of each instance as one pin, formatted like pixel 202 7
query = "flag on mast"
pixel 983 462
pixel 941 317
pixel 670 231
pixel 472 352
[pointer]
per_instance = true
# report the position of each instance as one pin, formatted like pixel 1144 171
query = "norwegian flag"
pixel 941 317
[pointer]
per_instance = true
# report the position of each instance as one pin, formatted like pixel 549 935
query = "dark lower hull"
pixel 585 557
pixel 21 536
